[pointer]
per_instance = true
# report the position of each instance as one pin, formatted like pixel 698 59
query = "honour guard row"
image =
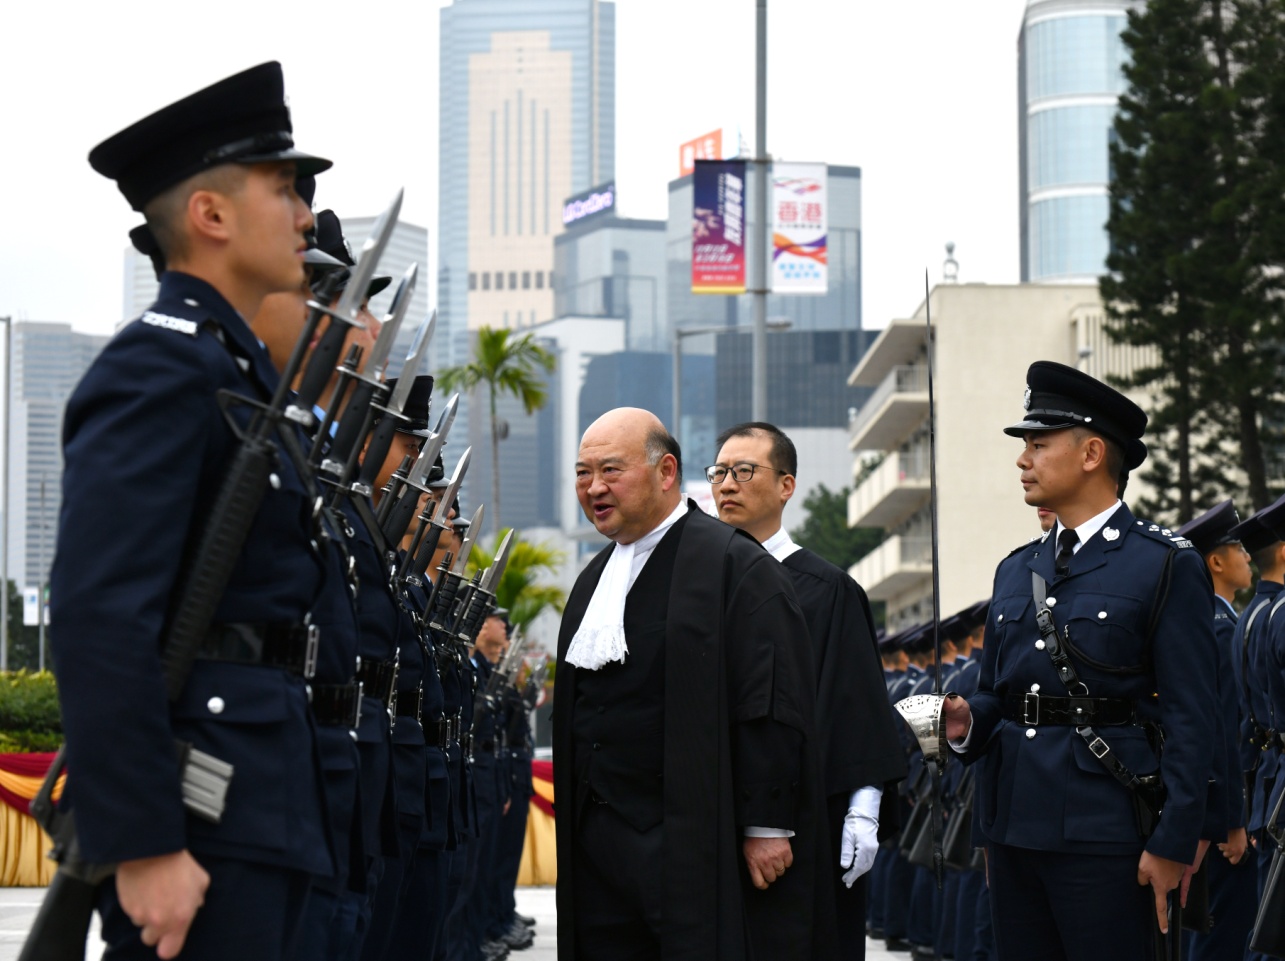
pixel 295 727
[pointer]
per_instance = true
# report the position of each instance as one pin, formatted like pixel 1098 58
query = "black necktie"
pixel 1066 542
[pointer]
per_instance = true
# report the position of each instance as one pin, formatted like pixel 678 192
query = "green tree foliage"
pixel 519 590
pixel 825 531
pixel 29 719
pixel 506 364
pixel 1196 234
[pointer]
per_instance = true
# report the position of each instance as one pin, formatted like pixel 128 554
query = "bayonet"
pixel 431 527
pixel 397 509
pixel 382 438
pixel 372 250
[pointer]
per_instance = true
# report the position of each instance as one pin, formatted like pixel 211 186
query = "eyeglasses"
pixel 741 473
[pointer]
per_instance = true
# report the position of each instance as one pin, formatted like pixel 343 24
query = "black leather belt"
pixel 1035 709
pixel 378 679
pixel 292 647
pixel 443 733
pixel 410 703
pixel 336 703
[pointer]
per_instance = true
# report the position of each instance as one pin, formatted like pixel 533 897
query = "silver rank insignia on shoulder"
pixel 1181 541
pixel 188 327
pixel 1154 527
pixel 1110 533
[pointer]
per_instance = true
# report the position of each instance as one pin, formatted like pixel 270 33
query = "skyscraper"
pixel 1069 81
pixel 527 120
pixel 48 361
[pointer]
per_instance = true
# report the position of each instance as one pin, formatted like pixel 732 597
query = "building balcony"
pixel 898 405
pixel 898 564
pixel 892 492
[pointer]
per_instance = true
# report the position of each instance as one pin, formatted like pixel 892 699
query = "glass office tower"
pixel 1069 80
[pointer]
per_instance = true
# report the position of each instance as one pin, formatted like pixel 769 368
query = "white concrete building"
pixel 986 337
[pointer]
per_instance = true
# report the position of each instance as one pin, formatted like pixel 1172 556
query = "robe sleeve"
pixel 769 691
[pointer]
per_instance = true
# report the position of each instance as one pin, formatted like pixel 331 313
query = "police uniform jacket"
pixel 145 446
pixel 1247 659
pixel 1137 607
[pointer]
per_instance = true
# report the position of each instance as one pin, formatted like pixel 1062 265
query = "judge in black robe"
pixel 655 805
pixel 857 731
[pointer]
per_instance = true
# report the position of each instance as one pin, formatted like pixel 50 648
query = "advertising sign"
pixel 718 227
pixel 597 200
pixel 798 228
pixel 708 146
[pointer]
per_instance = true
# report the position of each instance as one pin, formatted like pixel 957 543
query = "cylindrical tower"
pixel 1068 82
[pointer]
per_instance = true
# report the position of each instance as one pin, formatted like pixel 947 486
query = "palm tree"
pixel 506 364
pixel 518 590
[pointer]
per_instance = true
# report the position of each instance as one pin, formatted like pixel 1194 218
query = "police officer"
pixel 1258 658
pixel 1231 876
pixel 146 445
pixel 1064 709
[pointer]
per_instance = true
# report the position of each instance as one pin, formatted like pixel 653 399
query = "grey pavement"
pixel 18 908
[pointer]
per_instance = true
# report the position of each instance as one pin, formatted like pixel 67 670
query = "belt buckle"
pixel 1027 718
pixel 310 651
pixel 1099 748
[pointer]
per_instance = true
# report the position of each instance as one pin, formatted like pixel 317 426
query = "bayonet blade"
pixel 474 526
pixel 493 574
pixel 457 478
pixel 392 324
pixel 406 379
pixel 371 251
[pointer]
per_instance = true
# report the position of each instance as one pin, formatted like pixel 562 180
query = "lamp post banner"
pixel 718 227
pixel 798 228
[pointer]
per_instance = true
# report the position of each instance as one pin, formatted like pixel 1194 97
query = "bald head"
pixel 628 473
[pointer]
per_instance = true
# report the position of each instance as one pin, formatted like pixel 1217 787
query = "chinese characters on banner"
pixel 798 228
pixel 718 227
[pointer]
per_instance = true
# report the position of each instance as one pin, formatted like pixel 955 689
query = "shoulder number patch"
pixel 188 327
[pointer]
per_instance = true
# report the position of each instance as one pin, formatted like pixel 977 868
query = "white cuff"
pixel 865 801
pixel 768 833
pixel 961 745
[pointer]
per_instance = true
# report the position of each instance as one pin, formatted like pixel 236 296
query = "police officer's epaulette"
pixel 1162 534
pixel 168 322
pixel 1037 539
pixel 1221 616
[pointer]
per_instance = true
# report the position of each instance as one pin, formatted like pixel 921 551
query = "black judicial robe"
pixel 731 665
pixel 857 733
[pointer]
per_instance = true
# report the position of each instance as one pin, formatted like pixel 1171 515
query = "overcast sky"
pixel 921 94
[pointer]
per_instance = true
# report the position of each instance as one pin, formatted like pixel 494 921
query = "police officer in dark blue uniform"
pixel 900 877
pixel 146 445
pixel 1071 706
pixel 1261 659
pixel 1232 877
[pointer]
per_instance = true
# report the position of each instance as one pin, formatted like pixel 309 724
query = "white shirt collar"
pixel 779 545
pixel 647 543
pixel 1089 527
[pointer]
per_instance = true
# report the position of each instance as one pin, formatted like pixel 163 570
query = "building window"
pixel 539 280
pixel 526 280
pixel 499 280
pixel 486 281
pixel 472 280
pixel 513 280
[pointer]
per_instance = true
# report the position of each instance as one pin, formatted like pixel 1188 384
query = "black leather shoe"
pixel 922 952
pixel 876 933
pixel 528 921
pixel 897 944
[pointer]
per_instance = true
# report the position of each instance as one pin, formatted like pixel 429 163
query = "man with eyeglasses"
pixel 689 806
pixel 752 479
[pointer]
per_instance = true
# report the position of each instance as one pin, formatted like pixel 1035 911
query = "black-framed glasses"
pixel 741 473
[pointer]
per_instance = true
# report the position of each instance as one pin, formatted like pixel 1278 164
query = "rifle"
pixel 59 928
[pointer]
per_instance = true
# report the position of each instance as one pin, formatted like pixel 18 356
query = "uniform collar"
pixel 1227 604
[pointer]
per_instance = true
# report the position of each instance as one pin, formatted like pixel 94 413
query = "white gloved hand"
pixel 860 840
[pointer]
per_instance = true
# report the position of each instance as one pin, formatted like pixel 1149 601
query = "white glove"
pixel 860 839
